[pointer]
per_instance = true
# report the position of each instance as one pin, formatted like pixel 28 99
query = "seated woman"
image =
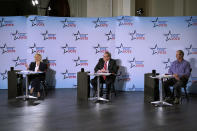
pixel 36 66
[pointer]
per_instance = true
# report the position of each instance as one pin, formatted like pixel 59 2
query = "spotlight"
pixel 35 2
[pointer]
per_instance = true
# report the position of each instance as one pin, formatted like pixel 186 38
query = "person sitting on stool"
pixel 105 65
pixel 180 69
pixel 36 66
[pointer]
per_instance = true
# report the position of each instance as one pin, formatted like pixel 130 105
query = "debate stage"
pixel 127 111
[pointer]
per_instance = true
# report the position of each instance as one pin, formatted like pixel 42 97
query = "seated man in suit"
pixel 180 69
pixel 105 64
pixel 36 66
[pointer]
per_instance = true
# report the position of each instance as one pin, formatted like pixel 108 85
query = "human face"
pixel 37 58
pixel 106 57
pixel 179 56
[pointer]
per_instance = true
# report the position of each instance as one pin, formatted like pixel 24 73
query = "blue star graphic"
pixel 97 48
pixel 189 50
pixel 132 35
pixel 65 48
pixel 65 23
pixel 17 61
pixel 132 62
pixel 155 50
pixel 168 36
pixel 167 63
pixel 77 61
pixel 4 75
pixel 189 21
pixel 16 35
pixel 4 49
pixel 2 22
pixel 155 22
pixel 45 35
pixel 109 35
pixel 97 22
pixel 34 21
pixel 120 49
pixel 33 49
pixel 121 21
pixel 77 36
pixel 65 74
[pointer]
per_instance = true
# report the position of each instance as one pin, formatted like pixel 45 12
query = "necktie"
pixel 105 68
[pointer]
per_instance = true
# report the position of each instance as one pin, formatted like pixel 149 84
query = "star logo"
pixel 100 49
pixel 121 21
pixel 97 22
pixel 110 36
pixel 189 21
pixel 16 35
pixel 4 49
pixel 4 75
pixel 2 22
pixel 189 50
pixel 168 36
pixel 65 74
pixel 65 48
pixel 34 21
pixel 155 50
pixel 155 22
pixel 45 35
pixel 17 61
pixel 77 61
pixel 77 35
pixel 33 49
pixel 120 49
pixel 133 63
pixel 133 35
pixel 167 63
pixel 65 23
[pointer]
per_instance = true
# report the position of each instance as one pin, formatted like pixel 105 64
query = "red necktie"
pixel 105 68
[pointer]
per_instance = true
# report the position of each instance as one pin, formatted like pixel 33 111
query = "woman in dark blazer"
pixel 37 66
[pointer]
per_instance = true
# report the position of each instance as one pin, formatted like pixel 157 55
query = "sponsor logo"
pixel 191 50
pixel 36 22
pixel 137 36
pixel 69 49
pixel 79 36
pixel 123 49
pixel 68 23
pixel 48 36
pixel 19 62
pixel 167 63
pixel 68 75
pixel 124 21
pixel 35 49
pixel 191 22
pixel 136 63
pixel 110 35
pixel 5 23
pixel 159 23
pixel 79 62
pixel 156 50
pixel 100 49
pixel 4 75
pixel 99 23
pixel 170 36
pixel 6 49
pixel 19 36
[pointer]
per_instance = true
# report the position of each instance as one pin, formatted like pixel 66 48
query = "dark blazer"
pixel 42 66
pixel 112 67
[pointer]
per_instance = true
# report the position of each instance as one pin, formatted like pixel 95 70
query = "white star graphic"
pixel 77 61
pixel 132 62
pixel 109 35
pixel 155 50
pixel 77 36
pixel 4 49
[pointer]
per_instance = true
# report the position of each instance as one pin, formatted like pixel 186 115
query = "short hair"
pixel 37 54
pixel 108 53
pixel 180 51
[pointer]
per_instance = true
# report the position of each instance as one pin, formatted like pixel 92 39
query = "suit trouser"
pixel 108 82
pixel 177 84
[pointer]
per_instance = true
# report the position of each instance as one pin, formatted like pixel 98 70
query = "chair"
pixel 185 95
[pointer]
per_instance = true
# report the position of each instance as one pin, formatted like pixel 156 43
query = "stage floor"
pixel 60 111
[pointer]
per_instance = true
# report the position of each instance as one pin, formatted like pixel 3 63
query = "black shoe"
pixel 107 97
pixel 101 93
